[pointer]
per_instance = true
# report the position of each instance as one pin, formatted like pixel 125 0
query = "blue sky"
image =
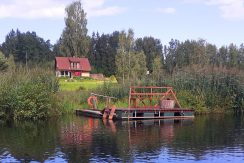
pixel 220 22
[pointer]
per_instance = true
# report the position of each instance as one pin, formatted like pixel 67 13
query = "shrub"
pixel 28 94
pixel 188 100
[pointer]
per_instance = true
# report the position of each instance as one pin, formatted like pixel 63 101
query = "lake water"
pixel 217 138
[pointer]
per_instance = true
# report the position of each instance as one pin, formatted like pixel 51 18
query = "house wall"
pixel 85 74
pixel 63 73
pixel 67 74
pixel 57 73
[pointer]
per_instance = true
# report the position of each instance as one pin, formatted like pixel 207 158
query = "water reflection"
pixel 80 139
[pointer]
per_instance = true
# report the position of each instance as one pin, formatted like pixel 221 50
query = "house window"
pixel 74 65
pixel 64 73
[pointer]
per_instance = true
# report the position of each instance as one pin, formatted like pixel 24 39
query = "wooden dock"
pixel 145 102
pixel 89 113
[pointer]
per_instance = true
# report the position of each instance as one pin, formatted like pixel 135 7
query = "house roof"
pixel 63 63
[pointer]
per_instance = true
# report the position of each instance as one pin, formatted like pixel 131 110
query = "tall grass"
pixel 28 94
pixel 204 92
pixel 71 100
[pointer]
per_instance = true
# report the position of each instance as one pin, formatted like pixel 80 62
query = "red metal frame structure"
pixel 151 94
pixel 145 102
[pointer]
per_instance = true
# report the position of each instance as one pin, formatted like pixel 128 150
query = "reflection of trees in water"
pixel 27 141
pixel 87 138
pixel 137 138
pixel 77 137
pixel 208 133
pixel 80 139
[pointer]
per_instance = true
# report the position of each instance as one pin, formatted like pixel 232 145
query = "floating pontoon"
pixel 145 102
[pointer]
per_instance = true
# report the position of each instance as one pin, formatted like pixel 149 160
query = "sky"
pixel 219 22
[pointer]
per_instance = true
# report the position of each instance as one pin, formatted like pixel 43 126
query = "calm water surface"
pixel 217 139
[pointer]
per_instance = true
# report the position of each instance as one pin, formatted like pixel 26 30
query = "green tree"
pixel 74 40
pixel 223 56
pixel 123 57
pixel 138 65
pixel 151 47
pixel 241 57
pixel 233 55
pixel 3 62
pixel 211 52
pixel 157 68
pixel 170 55
pixel 11 63
pixel 103 50
pixel 27 48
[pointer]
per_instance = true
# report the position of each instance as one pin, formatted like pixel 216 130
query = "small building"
pixel 72 67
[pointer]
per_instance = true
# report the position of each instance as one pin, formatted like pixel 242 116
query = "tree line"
pixel 115 53
pixel 214 75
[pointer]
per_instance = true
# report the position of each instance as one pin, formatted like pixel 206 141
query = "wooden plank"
pixel 162 117
pixel 150 87
pixel 151 109
pixel 146 94
pixel 112 113
pixel 104 115
pixel 169 104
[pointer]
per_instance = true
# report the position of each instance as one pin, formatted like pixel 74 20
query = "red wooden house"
pixel 72 66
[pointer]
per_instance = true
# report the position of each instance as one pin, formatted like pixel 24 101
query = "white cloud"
pixel 31 9
pixel 230 9
pixel 168 10
pixel 95 8
pixel 108 11
pixel 34 9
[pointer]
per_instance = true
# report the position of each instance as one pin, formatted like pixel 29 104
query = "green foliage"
pixel 113 79
pixel 28 94
pixel 214 75
pixel 71 100
pixel 151 47
pixel 79 84
pixel 157 68
pixel 3 62
pixel 189 99
pixel 112 89
pixel 11 63
pixel 32 101
pixel 27 48
pixel 102 52
pixel 74 40
pixel 216 90
pixel 130 64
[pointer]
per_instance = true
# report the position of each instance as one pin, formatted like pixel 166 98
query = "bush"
pixel 188 100
pixel 28 94
pixel 113 79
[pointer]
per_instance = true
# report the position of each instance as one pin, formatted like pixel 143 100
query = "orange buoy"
pixel 91 100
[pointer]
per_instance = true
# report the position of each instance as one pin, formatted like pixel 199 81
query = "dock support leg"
pixel 111 115
pixel 105 113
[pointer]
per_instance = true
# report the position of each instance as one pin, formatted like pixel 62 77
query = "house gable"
pixel 72 63
pixel 72 66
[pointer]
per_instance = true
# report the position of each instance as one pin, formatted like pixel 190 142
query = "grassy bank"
pixel 77 84
pixel 74 93
pixel 38 94
pixel 216 93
